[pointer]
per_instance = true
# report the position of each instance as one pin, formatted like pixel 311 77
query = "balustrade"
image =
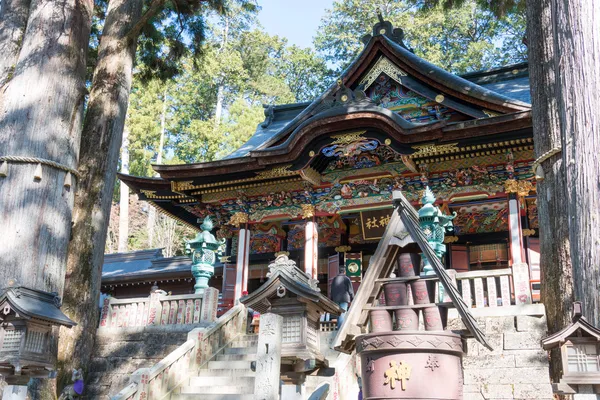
pixel 159 309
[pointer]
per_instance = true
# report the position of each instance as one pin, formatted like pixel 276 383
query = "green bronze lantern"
pixel 203 249
pixel 434 225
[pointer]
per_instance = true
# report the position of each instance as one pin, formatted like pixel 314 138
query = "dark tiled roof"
pixel 34 303
pixel 517 88
pixel 282 116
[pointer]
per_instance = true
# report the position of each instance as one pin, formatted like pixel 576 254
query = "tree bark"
pixel 41 108
pixel 577 58
pixel 13 21
pixel 101 139
pixel 124 195
pixel 555 260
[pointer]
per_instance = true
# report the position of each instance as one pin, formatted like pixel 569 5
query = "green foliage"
pixel 462 38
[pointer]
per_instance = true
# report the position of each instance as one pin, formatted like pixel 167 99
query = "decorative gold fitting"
pixel 282 253
pixel 521 188
pixel 451 239
pixel 528 232
pixel 343 249
pixel 225 259
pixel 238 219
pixel 308 211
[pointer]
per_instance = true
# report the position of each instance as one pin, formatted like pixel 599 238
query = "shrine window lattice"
pixel 583 358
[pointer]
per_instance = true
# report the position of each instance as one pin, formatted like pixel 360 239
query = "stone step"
pixel 240 350
pixel 194 396
pixel 243 364
pixel 227 372
pixel 218 389
pixel 246 381
pixel 236 357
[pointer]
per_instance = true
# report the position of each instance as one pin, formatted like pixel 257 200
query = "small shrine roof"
pixel 143 265
pixel 32 303
pixel 579 323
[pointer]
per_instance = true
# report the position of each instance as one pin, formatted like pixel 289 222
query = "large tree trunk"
pixel 124 195
pixel 13 21
pixel 555 260
pixel 101 139
pixel 41 107
pixel 577 58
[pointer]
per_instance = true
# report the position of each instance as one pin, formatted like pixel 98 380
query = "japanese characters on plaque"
pixel 374 222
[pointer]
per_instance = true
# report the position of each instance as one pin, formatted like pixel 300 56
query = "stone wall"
pixel 517 367
pixel 119 352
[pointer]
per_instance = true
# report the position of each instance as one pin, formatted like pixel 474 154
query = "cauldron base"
pixel 429 362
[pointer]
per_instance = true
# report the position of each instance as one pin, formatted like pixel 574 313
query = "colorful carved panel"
pixel 364 157
pixel 330 231
pixel 532 213
pixel 411 106
pixel 296 239
pixel 261 243
pixel 481 218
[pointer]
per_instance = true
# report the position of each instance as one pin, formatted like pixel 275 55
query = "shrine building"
pixel 418 185
pixel 315 179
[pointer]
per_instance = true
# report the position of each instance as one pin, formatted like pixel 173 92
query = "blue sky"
pixel 296 20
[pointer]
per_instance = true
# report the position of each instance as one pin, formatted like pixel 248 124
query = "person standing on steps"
pixel 342 293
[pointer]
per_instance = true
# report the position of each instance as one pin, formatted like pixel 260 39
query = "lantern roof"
pixel 32 303
pixel 283 272
pixel 204 237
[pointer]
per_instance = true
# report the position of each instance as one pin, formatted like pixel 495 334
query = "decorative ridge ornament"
pixel 343 96
pixel 386 29
pixel 384 65
pixel 284 264
pixel 269 115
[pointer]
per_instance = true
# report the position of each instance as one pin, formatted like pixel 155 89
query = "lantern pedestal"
pixel 202 274
pixel 411 365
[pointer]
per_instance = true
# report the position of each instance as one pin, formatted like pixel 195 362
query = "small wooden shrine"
pixel 579 345
pixel 294 295
pixel 28 318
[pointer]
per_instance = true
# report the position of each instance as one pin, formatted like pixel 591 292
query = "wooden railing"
pixel 202 345
pixel 159 309
pixel 489 288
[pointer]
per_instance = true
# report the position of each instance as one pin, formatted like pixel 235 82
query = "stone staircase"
pixel 229 376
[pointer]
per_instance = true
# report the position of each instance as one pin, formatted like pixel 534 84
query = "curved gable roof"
pixel 506 96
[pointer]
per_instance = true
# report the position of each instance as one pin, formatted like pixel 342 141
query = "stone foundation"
pixel 517 368
pixel 118 353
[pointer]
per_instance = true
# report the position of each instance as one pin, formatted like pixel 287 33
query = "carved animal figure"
pixel 73 391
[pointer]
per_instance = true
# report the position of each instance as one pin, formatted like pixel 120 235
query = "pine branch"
pixel 154 8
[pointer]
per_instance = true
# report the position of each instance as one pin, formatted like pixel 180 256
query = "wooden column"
pixel 515 230
pixel 311 249
pixel 243 252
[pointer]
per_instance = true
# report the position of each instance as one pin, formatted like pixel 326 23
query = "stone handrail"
pixel 159 309
pixel 203 344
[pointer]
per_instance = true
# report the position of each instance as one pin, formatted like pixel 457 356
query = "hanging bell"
pixel 4 169
pixel 38 172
